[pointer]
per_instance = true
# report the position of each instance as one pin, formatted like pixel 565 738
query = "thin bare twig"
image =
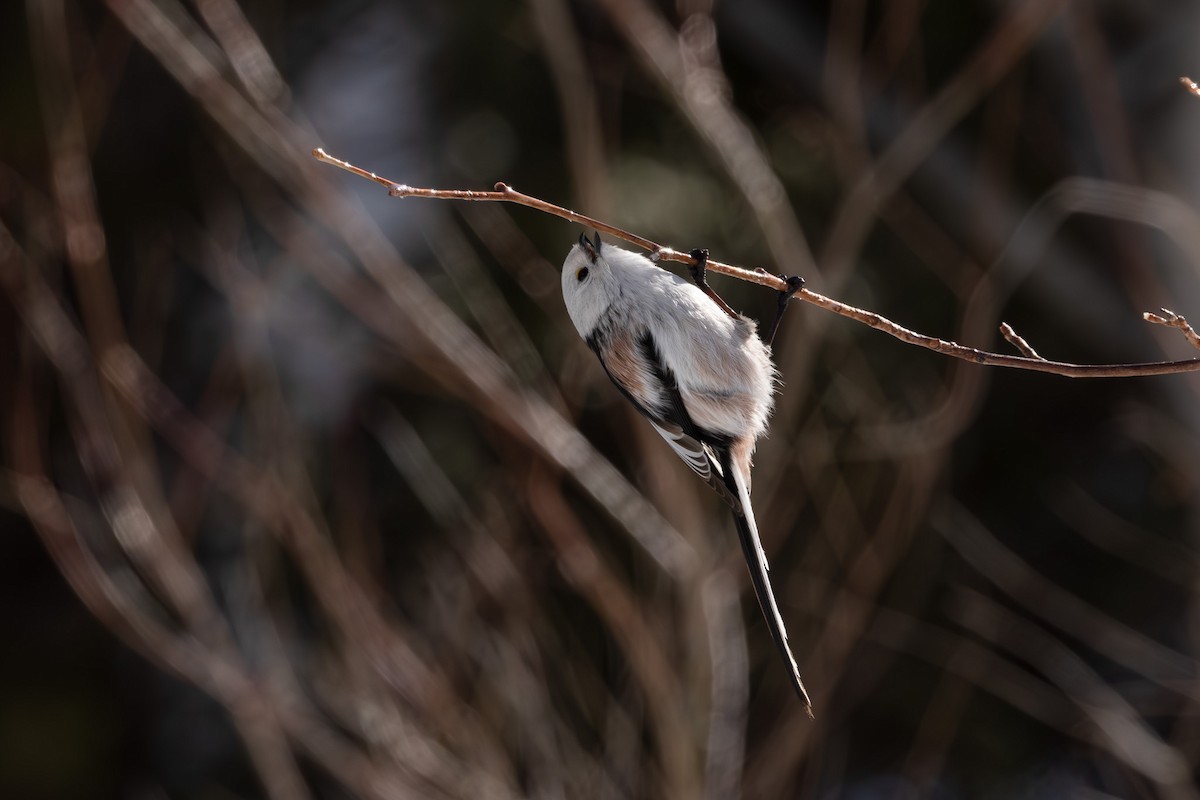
pixel 1173 320
pixel 1018 341
pixel 505 193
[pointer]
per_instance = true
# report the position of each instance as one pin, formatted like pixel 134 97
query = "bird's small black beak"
pixel 591 249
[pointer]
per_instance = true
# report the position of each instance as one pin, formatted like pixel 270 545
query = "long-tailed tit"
pixel 693 367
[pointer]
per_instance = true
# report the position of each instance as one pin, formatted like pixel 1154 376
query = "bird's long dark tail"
pixel 756 561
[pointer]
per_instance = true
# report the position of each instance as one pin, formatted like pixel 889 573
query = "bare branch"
pixel 1018 341
pixel 1173 320
pixel 505 193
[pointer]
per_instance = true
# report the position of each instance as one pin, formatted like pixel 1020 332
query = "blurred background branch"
pixel 312 494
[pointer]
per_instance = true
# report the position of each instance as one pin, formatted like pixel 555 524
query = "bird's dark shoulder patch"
pixel 677 411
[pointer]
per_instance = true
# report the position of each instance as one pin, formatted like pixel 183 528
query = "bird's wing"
pixel 698 449
pixel 697 455
pixel 756 561
pixel 635 367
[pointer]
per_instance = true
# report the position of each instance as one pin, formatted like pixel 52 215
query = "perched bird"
pixel 695 369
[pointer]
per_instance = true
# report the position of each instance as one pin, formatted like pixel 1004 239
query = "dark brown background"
pixel 302 452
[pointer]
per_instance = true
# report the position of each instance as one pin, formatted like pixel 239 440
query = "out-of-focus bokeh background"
pixel 310 492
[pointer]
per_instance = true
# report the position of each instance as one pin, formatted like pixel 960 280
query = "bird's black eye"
pixel 581 273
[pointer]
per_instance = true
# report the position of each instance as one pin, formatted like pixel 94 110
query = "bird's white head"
pixel 588 283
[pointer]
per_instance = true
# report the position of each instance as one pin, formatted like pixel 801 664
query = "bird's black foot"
pixel 699 269
pixel 794 284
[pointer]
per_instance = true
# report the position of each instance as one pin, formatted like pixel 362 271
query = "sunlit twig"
pixel 1018 341
pixel 1173 320
pixel 505 193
